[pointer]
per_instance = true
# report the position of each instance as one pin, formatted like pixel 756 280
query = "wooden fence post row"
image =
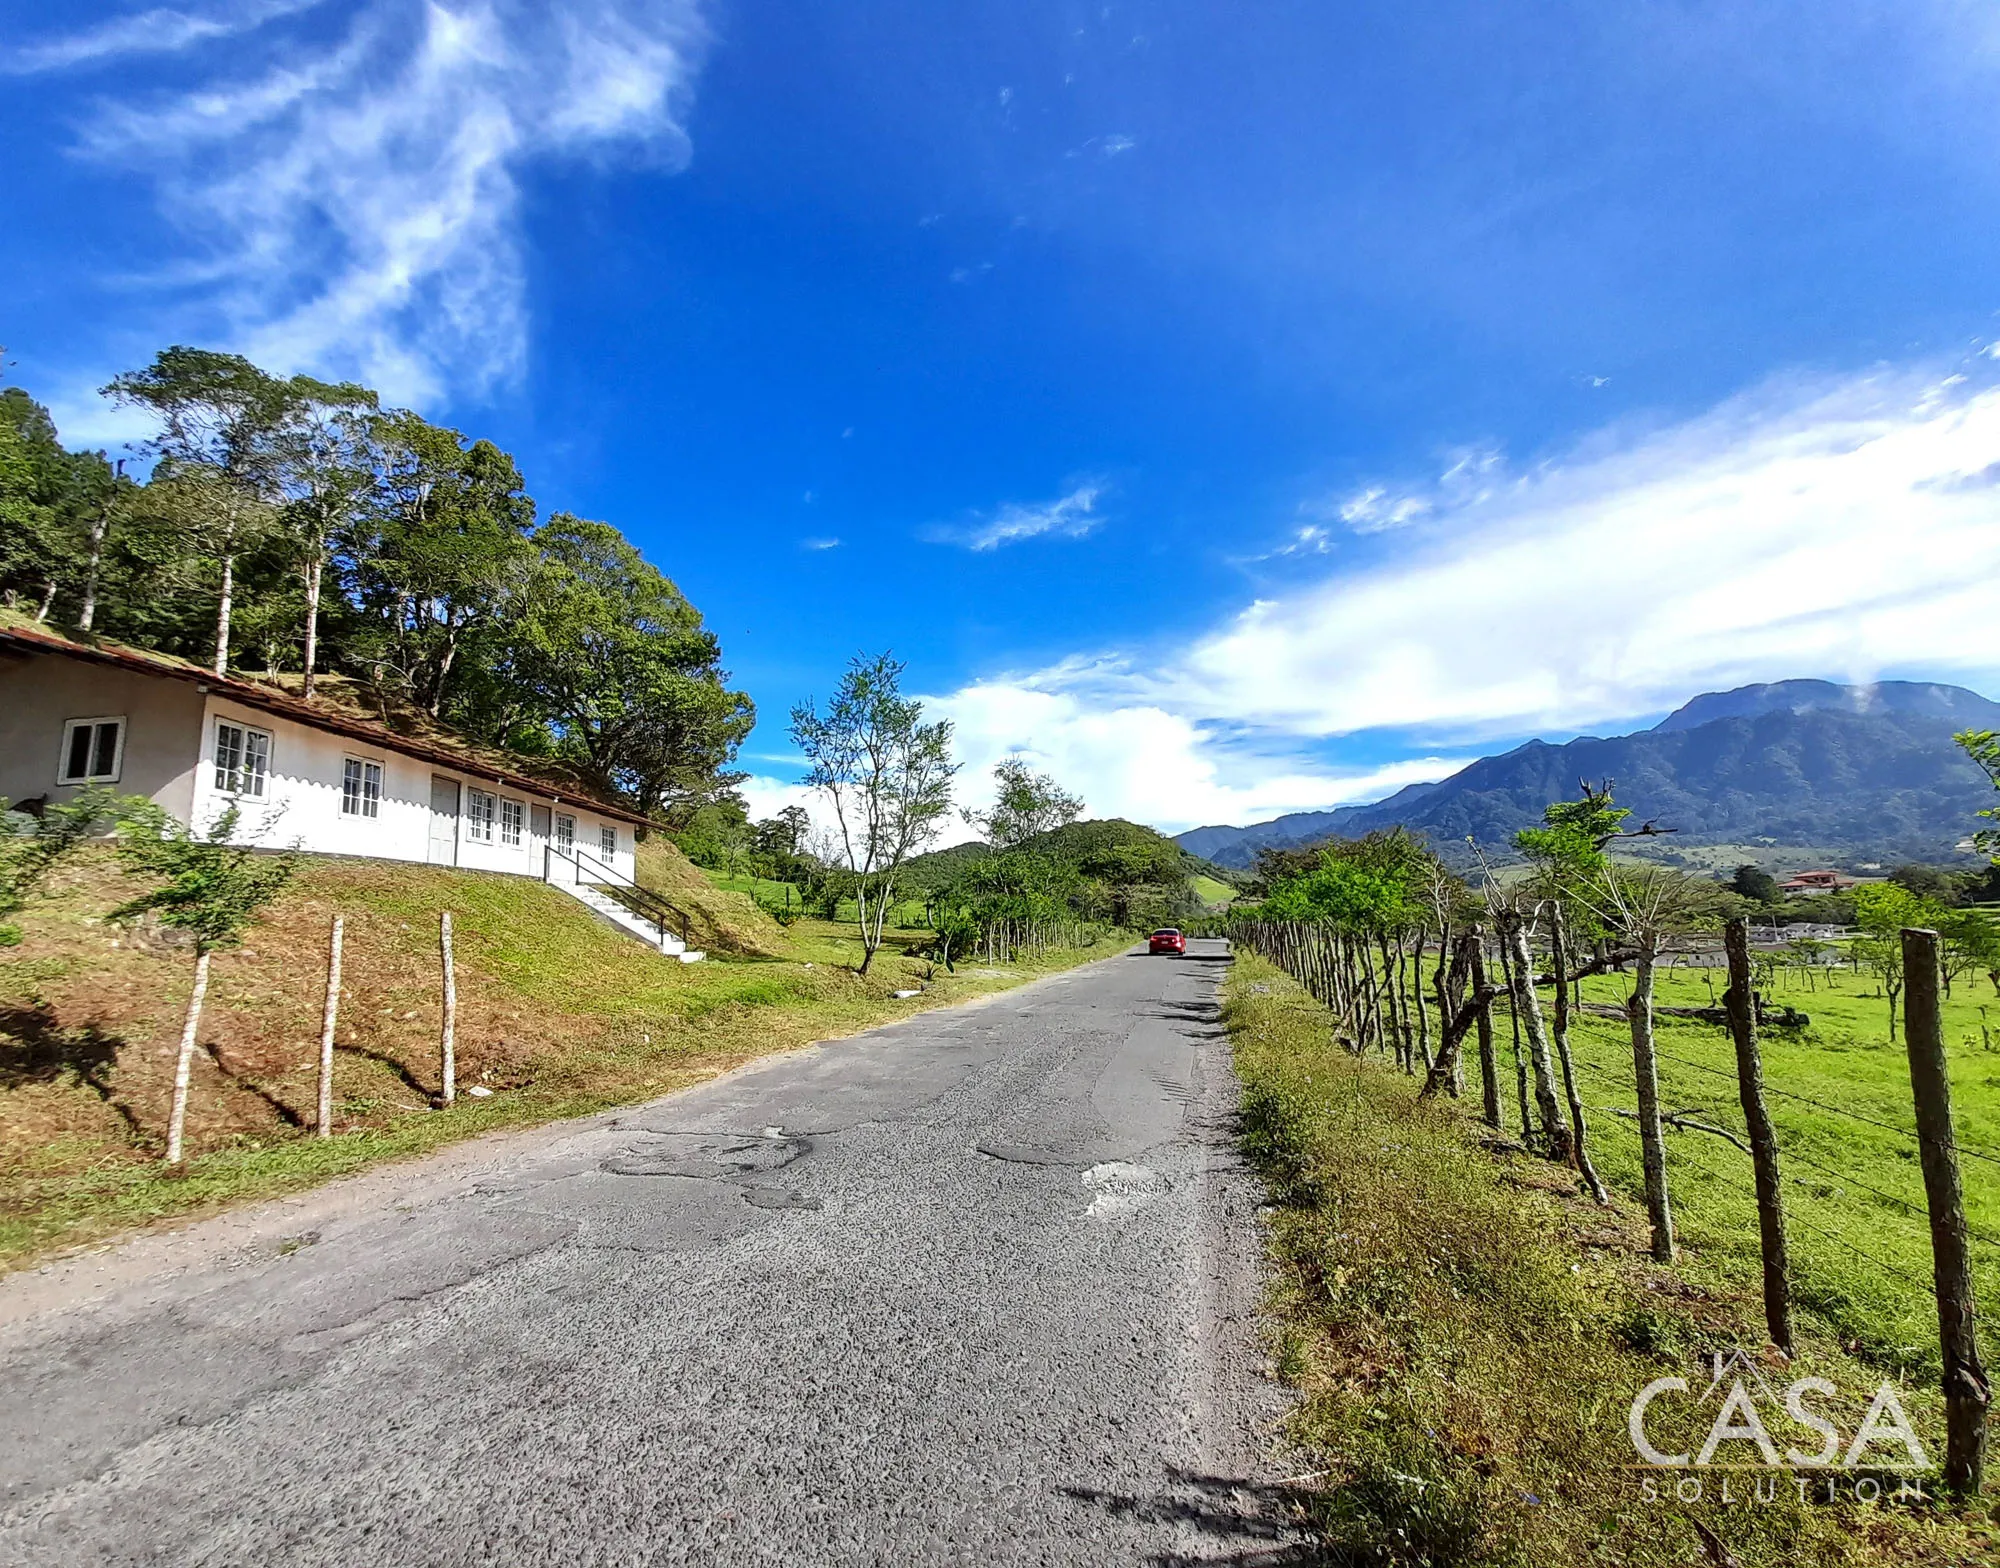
pixel 1340 972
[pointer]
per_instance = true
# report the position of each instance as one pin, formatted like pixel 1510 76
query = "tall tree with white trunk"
pixel 886 776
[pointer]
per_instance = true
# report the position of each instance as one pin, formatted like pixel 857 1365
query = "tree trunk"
pixel 1489 1073
pixel 315 572
pixel 222 610
pixel 48 601
pixel 1520 1061
pixel 1555 1131
pixel 1559 954
pixel 1416 1001
pixel 1370 1012
pixel 98 529
pixel 1652 1141
pixel 177 1117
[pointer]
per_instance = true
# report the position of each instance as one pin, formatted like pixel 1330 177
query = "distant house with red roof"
pixel 1816 882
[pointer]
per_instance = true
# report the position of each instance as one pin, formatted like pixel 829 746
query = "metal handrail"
pixel 651 905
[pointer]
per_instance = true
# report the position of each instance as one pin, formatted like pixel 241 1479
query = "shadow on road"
pixel 1253 1521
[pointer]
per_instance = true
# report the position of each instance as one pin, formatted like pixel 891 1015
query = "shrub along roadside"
pixel 1467 1335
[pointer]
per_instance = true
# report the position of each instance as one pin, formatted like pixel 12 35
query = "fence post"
pixel 1966 1391
pixel 1737 1003
pixel 327 1018
pixel 447 1046
pixel 1489 1076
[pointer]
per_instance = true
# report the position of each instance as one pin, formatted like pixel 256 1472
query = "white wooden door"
pixel 444 821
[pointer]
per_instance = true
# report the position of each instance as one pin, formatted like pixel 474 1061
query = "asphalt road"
pixel 978 1287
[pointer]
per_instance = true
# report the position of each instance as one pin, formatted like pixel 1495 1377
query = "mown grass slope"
pixel 558 1014
pixel 1467 1333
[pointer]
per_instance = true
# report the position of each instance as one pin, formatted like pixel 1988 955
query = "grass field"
pixel 1215 895
pixel 558 1015
pixel 1859 1237
pixel 904 913
pixel 1467 1332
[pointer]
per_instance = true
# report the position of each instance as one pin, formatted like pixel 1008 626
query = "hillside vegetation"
pixel 558 1014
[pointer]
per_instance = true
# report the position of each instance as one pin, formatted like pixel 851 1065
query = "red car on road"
pixel 1167 940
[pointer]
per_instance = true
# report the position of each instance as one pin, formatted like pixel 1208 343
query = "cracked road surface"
pixel 978 1287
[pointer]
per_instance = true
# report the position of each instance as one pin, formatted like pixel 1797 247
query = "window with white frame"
pixel 607 840
pixel 479 815
pixel 242 759
pixel 93 751
pixel 361 788
pixel 565 833
pixel 511 813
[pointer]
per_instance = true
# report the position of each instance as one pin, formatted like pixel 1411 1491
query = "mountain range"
pixel 1861 772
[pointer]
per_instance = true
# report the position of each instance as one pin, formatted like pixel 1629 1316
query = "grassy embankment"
pixel 1467 1333
pixel 558 1015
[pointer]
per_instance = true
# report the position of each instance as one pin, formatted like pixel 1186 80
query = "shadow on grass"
pixel 383 1059
pixel 36 1048
pixel 243 1081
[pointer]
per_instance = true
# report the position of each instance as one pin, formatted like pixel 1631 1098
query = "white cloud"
pixel 1847 530
pixel 1144 762
pixel 1069 517
pixel 819 544
pixel 353 207
pixel 1842 530
pixel 159 31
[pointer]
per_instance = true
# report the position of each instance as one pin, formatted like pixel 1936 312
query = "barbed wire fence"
pixel 1371 1007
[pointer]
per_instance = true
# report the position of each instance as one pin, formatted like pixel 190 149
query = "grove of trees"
pixel 294 529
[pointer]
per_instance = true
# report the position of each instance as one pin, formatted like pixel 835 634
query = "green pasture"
pixel 1840 1097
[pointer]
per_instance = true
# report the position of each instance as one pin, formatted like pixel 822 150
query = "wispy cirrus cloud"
pixel 163 30
pixel 1069 516
pixel 351 204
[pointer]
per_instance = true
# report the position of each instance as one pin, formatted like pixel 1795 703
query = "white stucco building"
pixel 302 775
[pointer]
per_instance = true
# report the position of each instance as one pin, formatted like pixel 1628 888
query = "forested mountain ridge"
pixel 1871 772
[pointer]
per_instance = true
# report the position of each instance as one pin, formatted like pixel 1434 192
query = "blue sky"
pixel 1238 409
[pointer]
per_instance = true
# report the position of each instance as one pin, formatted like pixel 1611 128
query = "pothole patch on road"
pixel 778 1198
pixel 705 1156
pixel 1121 1187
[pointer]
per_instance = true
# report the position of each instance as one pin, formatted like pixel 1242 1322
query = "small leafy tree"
pixel 1025 804
pixel 886 775
pixel 1756 884
pixel 30 849
pixel 1650 907
pixel 1882 910
pixel 212 889
pixel 1983 747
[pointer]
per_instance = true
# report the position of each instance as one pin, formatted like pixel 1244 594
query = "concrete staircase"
pixel 636 926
